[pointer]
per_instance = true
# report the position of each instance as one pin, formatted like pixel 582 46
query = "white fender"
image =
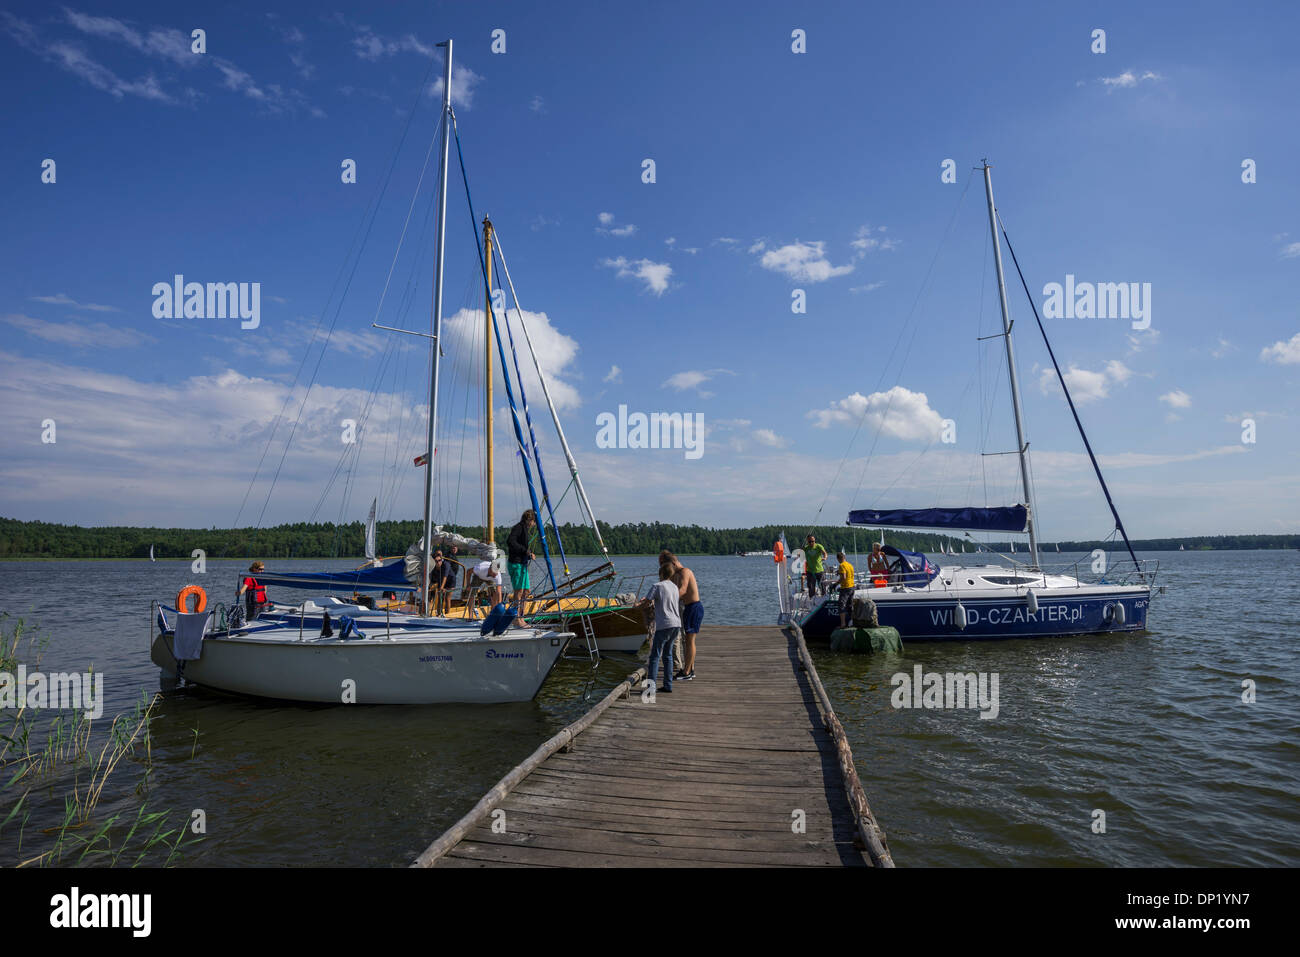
pixel 959 616
pixel 1032 601
pixel 1118 615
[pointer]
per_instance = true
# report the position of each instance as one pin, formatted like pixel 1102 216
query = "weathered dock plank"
pixel 744 766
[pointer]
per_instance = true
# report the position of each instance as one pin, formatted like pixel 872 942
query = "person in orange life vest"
pixel 878 565
pixel 254 590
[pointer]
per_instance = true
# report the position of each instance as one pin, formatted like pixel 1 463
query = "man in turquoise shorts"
pixel 518 556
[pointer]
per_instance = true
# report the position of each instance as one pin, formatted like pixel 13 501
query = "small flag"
pixel 422 459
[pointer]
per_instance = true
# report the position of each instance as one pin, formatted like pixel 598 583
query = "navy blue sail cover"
pixel 915 568
pixel 390 577
pixel 1011 518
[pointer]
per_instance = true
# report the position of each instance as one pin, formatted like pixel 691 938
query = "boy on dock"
pixel 668 623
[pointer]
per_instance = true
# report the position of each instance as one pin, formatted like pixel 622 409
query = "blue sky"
pixel 775 171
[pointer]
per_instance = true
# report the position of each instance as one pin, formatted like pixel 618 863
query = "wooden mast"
pixel 487 342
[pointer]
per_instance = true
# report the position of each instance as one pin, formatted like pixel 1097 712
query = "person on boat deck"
pixel 846 589
pixel 485 580
pixel 442 582
pixel 518 556
pixel 878 564
pixel 692 615
pixel 814 555
pixel 255 600
pixel 664 597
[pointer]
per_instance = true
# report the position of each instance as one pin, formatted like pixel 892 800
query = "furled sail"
pixel 1011 518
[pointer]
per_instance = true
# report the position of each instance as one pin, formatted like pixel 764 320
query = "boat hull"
pixel 468 670
pixel 932 617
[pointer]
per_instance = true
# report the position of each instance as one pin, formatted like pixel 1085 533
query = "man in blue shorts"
pixel 692 612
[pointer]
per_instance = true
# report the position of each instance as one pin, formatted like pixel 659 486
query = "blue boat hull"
pixel 987 618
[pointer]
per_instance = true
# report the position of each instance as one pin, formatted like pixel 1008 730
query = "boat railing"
pixel 1084 571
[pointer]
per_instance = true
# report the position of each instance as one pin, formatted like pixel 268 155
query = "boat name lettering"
pixel 1009 614
pixel 490 653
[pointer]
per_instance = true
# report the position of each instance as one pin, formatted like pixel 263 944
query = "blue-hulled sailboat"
pixel 926 601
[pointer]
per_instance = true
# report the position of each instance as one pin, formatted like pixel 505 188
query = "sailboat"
pixel 928 602
pixel 151 558
pixel 367 661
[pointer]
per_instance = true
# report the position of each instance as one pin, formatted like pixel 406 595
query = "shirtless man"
pixel 692 612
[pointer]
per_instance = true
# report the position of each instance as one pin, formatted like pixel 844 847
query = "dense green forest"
pixel 326 540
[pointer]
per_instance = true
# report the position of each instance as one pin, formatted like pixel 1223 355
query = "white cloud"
pixel 62 299
pixel 867 288
pixel 537 105
pixel 83 335
pixel 463 84
pixel 802 262
pixel 370 46
pixel 169 44
pixel 1084 384
pixel 556 353
pixel 1283 353
pixel 693 379
pixel 769 438
pixel 654 275
pixel 670 240
pixel 1128 79
pixel 1291 251
pixel 1177 399
pixel 607 227
pixel 865 242
pixel 1223 348
pixel 899 413
pixel 615 374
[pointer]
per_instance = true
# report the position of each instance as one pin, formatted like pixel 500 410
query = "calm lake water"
pixel 1151 729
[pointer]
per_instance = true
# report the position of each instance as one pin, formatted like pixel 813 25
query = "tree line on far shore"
pixel 327 540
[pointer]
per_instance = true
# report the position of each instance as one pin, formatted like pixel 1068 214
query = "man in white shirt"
pixel 664 596
pixel 483 578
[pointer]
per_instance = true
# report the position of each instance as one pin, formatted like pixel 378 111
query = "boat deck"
pixel 722 772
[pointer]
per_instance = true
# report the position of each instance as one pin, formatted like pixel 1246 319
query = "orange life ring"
pixel 183 597
pixel 878 582
pixel 778 553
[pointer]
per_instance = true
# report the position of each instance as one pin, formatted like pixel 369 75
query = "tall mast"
pixel 435 345
pixel 555 415
pixel 487 378
pixel 1023 446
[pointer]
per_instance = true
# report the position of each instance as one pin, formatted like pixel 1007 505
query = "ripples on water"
pixel 1151 729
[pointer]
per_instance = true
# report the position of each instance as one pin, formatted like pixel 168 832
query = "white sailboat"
pixel 431 661
pixel 151 558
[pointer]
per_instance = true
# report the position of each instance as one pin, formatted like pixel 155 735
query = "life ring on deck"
pixel 778 553
pixel 183 597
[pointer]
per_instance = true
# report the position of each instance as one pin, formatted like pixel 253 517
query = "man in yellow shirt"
pixel 846 589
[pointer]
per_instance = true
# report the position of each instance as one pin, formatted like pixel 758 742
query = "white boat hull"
pixel 400 670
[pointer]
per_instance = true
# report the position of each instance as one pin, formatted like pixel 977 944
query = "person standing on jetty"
pixel 814 555
pixel 664 597
pixel 692 613
pixel 518 556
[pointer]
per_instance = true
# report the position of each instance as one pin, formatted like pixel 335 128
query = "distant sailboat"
pixel 1058 546
pixel 370 536
pixel 151 558
pixel 1181 549
pixel 1013 548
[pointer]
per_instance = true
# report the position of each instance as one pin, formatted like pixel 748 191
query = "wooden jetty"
pixel 746 765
